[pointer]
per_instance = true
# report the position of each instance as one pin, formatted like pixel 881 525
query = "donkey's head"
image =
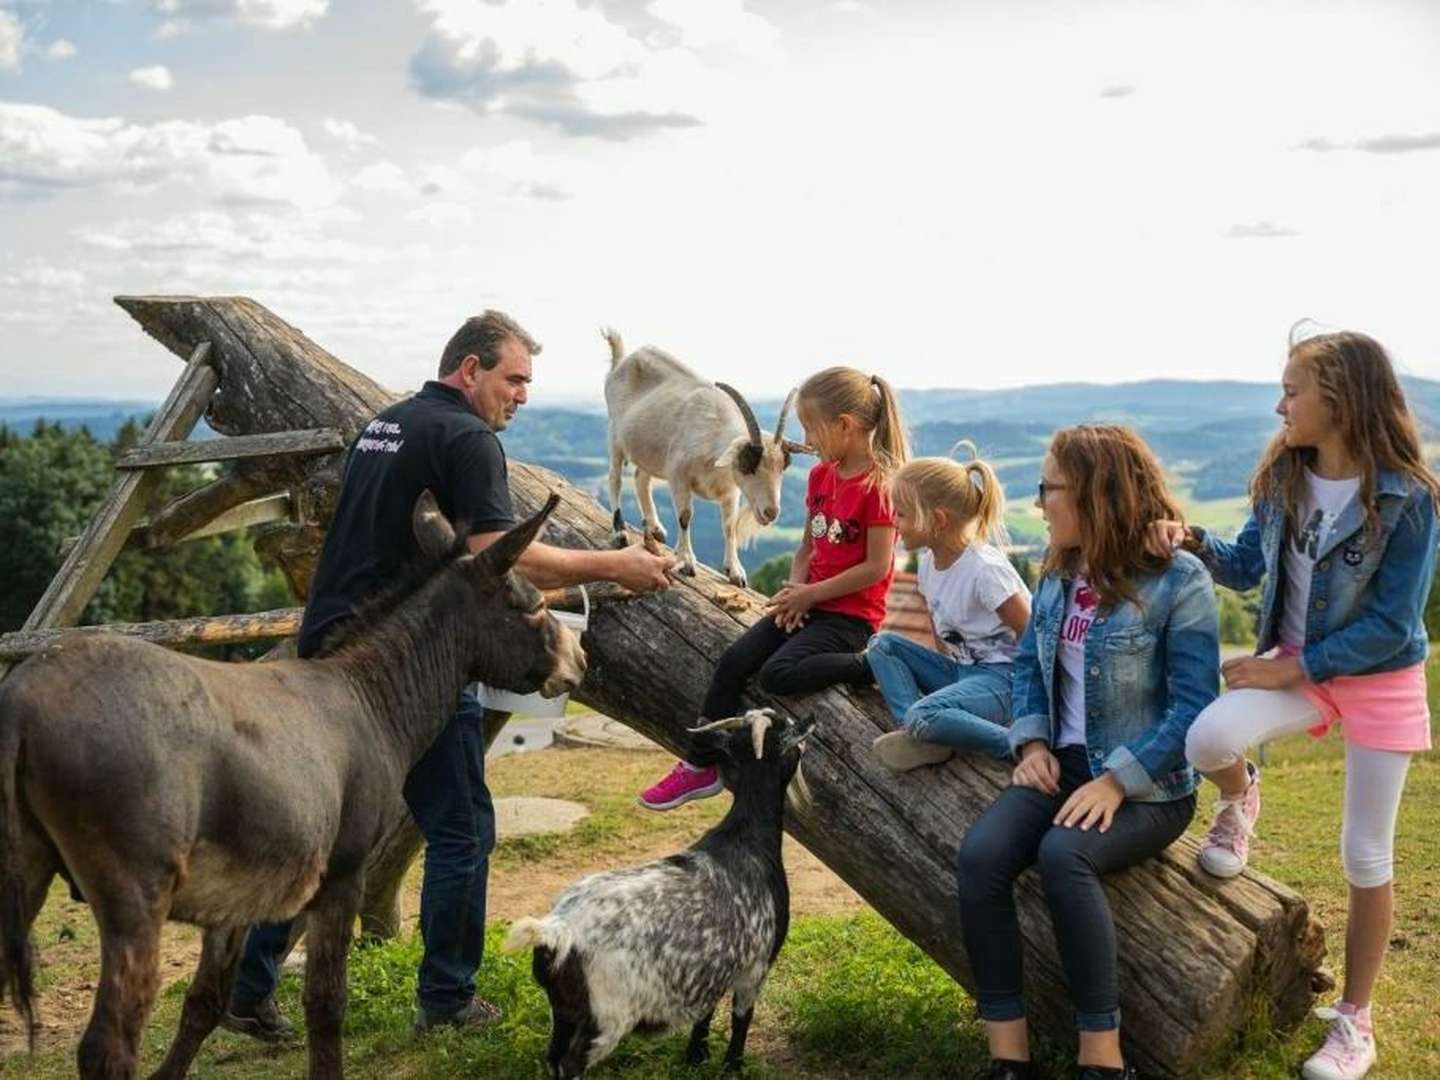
pixel 525 647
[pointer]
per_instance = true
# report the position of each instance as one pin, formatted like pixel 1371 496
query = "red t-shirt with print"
pixel 838 511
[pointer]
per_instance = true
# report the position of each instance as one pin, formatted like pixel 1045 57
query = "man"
pixel 443 439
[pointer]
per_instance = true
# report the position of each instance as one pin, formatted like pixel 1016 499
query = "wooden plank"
pixel 89 560
pixel 203 630
pixel 260 511
pixel 273 444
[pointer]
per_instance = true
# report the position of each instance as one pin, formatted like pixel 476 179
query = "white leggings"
pixel 1374 779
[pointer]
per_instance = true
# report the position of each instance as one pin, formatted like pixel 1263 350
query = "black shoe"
pixel 1002 1069
pixel 1103 1072
pixel 261 1020
pixel 474 1015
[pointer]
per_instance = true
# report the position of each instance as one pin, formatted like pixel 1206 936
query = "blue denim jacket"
pixel 1367 600
pixel 1150 669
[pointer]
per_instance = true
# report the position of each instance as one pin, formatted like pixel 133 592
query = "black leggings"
pixel 1018 831
pixel 824 652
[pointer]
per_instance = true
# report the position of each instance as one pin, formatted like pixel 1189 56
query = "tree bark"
pixel 1196 954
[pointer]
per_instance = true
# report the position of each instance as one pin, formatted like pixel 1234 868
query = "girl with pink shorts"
pixel 1343 534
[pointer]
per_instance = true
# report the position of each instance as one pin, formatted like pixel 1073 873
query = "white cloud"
pixel 384 177
pixel 12 36
pixel 250 159
pixel 556 63
pixel 708 24
pixel 170 29
pixel 348 133
pixel 157 77
pixel 270 14
pixel 61 49
pixel 443 215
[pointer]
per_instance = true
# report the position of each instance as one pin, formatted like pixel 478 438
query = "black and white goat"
pixel 702 439
pixel 656 947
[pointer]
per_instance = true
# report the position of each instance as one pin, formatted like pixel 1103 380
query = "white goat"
pixel 702 439
pixel 658 946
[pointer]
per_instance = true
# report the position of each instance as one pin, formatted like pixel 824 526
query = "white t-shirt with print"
pixel 1320 505
pixel 962 600
pixel 1074 628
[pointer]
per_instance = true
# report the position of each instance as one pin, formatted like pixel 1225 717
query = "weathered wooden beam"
pixel 202 630
pixel 244 516
pixel 236 447
pixel 86 565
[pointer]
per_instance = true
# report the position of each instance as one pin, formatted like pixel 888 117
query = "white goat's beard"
pixel 797 793
pixel 747 525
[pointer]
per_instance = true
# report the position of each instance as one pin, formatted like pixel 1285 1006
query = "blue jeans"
pixel 937 700
pixel 446 793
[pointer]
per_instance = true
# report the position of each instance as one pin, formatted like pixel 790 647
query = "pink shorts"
pixel 1384 711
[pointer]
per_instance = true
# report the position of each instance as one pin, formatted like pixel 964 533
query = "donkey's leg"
pixel 130 925
pixel 328 926
pixel 617 526
pixel 646 498
pixel 206 1000
pixel 729 523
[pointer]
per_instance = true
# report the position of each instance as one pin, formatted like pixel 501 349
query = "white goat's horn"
pixel 751 425
pixel 759 724
pixel 726 724
pixel 784 415
pixel 797 447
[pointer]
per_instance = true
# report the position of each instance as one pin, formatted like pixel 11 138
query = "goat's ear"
pixel 500 556
pixel 727 459
pixel 433 532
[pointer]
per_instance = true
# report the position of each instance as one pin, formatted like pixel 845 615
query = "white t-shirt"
pixel 962 600
pixel 1079 614
pixel 1320 505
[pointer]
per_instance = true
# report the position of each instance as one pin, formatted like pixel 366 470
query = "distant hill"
pixel 1208 434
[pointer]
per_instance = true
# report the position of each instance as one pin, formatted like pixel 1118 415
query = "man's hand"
pixel 642 571
pixel 1038 768
pixel 1094 803
pixel 1260 673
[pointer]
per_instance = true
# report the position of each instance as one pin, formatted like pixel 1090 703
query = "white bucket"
pixel 534 704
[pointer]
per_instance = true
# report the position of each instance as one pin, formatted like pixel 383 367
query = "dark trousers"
pixel 446 793
pixel 824 652
pixel 1018 831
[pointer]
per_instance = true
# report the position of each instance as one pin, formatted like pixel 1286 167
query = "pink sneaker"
pixel 683 783
pixel 1349 1049
pixel 1227 846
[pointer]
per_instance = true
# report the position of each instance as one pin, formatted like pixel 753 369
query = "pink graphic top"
pixel 1079 615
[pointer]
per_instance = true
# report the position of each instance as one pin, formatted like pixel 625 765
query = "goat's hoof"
pixel 619 540
pixel 734 1065
pixel 697 1053
pixel 688 569
pixel 657 534
pixel 738 579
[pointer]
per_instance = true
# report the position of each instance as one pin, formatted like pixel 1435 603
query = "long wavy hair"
pixel 1358 384
pixel 1119 488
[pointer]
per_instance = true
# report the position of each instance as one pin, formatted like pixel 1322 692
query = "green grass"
pixel 849 997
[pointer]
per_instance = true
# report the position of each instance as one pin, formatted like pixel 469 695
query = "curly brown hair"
pixel 1119 488
pixel 1358 384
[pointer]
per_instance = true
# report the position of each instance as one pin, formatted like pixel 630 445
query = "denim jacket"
pixel 1367 600
pixel 1149 670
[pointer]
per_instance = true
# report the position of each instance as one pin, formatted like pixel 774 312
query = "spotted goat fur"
pixel 656 947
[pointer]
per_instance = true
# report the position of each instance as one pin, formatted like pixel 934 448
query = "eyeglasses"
pixel 1044 487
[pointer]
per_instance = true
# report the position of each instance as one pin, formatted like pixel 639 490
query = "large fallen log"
pixel 1198 956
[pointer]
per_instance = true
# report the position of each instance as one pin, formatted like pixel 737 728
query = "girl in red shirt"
pixel 816 627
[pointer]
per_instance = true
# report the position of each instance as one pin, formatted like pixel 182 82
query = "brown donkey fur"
pixel 163 786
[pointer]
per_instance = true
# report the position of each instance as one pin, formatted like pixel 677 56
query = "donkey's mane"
pixel 371 611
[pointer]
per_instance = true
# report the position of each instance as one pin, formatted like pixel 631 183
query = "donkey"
pixel 163 786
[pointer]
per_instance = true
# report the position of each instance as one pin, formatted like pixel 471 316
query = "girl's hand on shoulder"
pixel 1094 803
pixel 1163 537
pixel 1038 768
pixel 1262 673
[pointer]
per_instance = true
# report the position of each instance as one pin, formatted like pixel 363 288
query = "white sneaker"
pixel 1226 848
pixel 1349 1049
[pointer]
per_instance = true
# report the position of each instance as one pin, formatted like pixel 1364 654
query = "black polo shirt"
pixel 431 440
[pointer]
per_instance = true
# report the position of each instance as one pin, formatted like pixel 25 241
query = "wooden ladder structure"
pixel 116 524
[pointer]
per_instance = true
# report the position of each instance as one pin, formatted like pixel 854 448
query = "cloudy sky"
pixel 969 194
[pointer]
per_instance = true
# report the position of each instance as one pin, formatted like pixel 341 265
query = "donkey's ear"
pixel 500 556
pixel 434 534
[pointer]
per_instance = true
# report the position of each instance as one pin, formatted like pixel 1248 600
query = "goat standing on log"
pixel 164 786
pixel 699 437
pixel 658 946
